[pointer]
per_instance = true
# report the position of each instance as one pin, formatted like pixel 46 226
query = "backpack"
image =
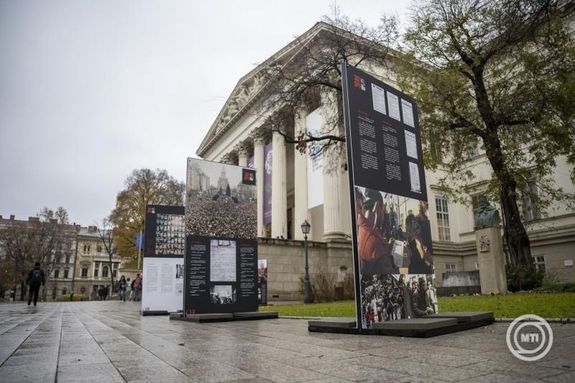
pixel 36 277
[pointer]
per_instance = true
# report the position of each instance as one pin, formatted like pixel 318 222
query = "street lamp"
pixel 307 295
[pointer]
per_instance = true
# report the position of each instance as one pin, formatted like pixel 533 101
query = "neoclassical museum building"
pixel 293 187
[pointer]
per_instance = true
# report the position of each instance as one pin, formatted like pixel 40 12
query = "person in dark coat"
pixel 36 278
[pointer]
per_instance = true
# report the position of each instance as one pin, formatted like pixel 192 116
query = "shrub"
pixel 523 277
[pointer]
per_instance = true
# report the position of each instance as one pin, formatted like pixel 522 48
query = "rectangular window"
pixel 66 273
pixel 96 271
pixel 442 218
pixel 531 210
pixel 99 249
pixel 450 267
pixel 539 262
pixel 56 274
pixel 84 272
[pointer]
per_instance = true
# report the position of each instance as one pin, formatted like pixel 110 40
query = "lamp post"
pixel 307 295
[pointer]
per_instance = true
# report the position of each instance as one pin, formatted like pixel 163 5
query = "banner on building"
pixel 263 281
pixel 164 246
pixel 221 268
pixel 393 254
pixel 314 125
pixel 268 158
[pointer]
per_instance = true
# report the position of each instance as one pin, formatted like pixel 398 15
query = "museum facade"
pixel 293 186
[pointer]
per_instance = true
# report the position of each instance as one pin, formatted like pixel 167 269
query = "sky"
pixel 93 89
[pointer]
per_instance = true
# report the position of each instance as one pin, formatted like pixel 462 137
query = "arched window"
pixel 105 271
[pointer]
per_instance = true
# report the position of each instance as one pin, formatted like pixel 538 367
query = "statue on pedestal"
pixel 486 215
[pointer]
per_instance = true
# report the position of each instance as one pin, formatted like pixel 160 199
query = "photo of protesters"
pixel 223 294
pixel 385 246
pixel 220 202
pixel 397 296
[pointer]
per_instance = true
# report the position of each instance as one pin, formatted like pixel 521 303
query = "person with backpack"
pixel 122 286
pixel 36 278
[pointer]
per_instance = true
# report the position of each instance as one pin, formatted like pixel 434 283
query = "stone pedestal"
pixel 491 260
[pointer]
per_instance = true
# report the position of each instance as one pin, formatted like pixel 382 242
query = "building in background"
pixel 93 267
pixel 22 243
pixel 293 187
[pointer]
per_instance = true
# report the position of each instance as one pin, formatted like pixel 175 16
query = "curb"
pixel 498 320
pixel 550 320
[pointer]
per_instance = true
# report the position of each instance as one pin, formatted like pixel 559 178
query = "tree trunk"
pixel 513 229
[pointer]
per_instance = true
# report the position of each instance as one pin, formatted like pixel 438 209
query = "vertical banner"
pixel 263 281
pixel 268 154
pixel 164 246
pixel 314 125
pixel 393 255
pixel 221 269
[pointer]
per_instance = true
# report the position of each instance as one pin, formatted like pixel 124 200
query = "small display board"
pixel 221 268
pixel 393 254
pixel 163 267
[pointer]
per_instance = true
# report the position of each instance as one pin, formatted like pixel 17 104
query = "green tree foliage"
pixel 498 75
pixel 142 187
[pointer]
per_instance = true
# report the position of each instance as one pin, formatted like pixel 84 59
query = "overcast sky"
pixel 90 90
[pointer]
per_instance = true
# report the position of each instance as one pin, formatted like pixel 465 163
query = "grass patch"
pixel 547 305
pixel 331 309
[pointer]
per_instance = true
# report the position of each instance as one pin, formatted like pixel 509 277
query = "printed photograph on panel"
pixel 397 296
pixel 394 234
pixel 223 294
pixel 170 234
pixel 220 200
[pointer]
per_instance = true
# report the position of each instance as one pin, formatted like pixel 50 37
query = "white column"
pixel 243 157
pixel 259 162
pixel 300 179
pixel 333 219
pixel 279 187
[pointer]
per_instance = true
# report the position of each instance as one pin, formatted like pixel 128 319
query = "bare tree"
pixel 106 236
pixel 25 242
pixel 315 68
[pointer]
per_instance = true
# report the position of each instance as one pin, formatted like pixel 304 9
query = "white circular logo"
pixel 529 337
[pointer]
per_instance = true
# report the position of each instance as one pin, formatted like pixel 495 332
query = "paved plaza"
pixel 111 342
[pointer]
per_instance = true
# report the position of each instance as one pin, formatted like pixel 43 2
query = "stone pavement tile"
pixel 24 374
pixel 562 363
pixel 91 372
pixel 215 372
pixel 94 356
pixel 502 378
pixel 518 368
pixel 279 372
pixel 313 363
pixel 359 373
pixel 568 377
pixel 251 380
pixel 165 373
pixel 423 369
pixel 447 359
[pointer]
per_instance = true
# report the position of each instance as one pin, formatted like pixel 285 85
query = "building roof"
pixel 251 86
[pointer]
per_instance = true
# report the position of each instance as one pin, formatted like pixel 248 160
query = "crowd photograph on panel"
pixel 397 296
pixel 221 201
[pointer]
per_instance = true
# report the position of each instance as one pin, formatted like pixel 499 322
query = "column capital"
pixel 243 148
pixel 258 136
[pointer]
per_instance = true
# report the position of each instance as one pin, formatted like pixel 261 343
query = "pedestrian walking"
pixel 122 286
pixel 36 278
